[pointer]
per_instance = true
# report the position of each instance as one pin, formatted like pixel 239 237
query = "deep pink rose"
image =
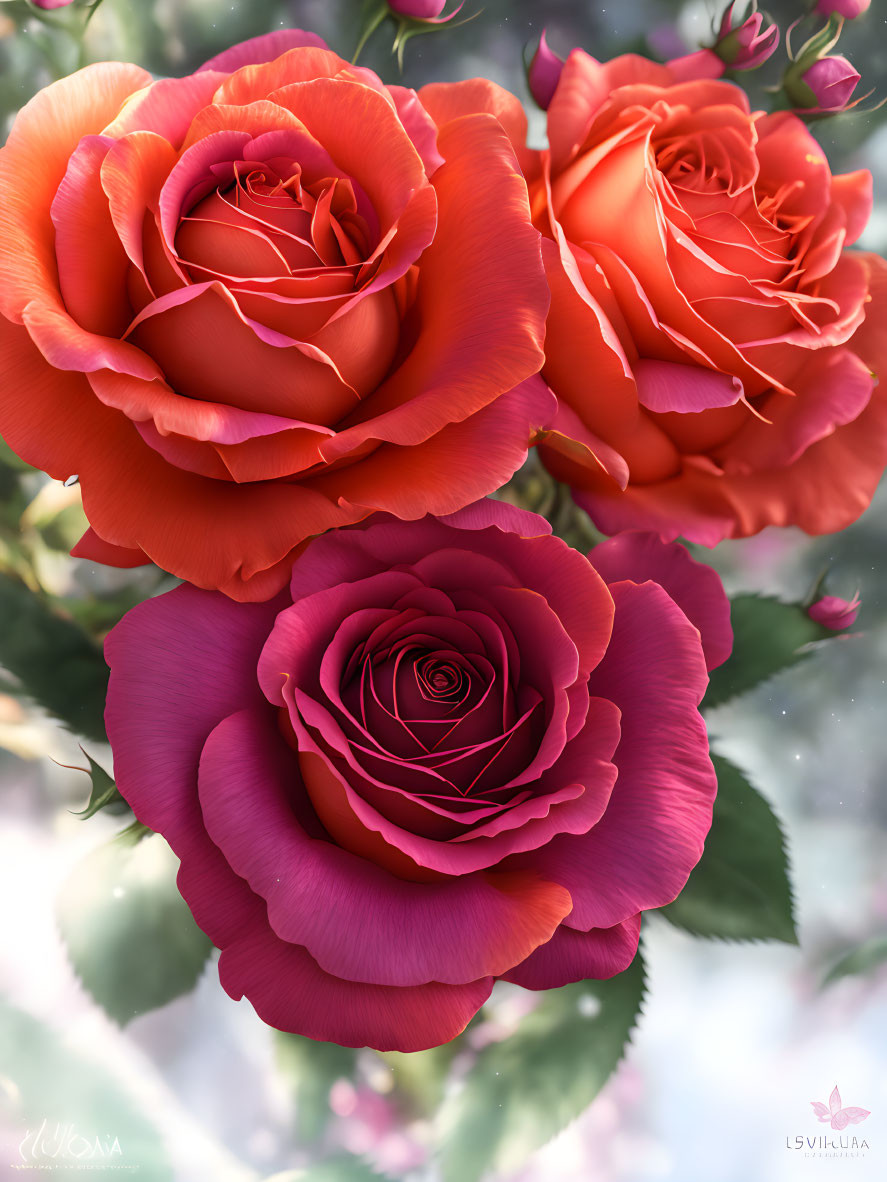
pixel 454 750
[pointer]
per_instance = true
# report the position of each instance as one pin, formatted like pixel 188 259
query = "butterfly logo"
pixel 838 1117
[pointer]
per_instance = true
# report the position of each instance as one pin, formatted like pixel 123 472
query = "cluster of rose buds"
pixel 816 82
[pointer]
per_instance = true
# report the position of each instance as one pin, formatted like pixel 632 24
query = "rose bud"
pixel 543 73
pixel 421 10
pixel 849 9
pixel 834 613
pixel 828 84
pixel 50 4
pixel 746 46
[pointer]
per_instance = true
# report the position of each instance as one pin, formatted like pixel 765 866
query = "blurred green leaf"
pixel 104 791
pixel 768 636
pixel 342 1168
pixel 11 459
pixel 740 890
pixel 859 961
pixel 521 1092
pixel 55 661
pixel 129 934
pixel 310 1069
pixel 49 1081
pixel 421 1076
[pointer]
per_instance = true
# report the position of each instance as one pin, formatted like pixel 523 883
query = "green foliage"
pixel 341 1168
pixel 420 1077
pixel 859 961
pixel 129 934
pixel 54 660
pixel 104 792
pixel 740 889
pixel 768 636
pixel 310 1069
pixel 521 1092
pixel 49 1081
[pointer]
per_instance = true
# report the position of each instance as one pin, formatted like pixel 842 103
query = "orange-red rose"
pixel 711 341
pixel 261 301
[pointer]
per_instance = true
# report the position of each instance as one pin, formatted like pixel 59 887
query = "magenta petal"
pixel 419 125
pixel 544 73
pixel 665 386
pixel 509 518
pixel 179 664
pixel 265 48
pixel 570 798
pixel 289 990
pixel 357 920
pixel 695 587
pixel 834 613
pixel 641 852
pixel 578 956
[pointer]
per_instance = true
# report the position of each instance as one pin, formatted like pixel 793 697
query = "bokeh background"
pixel 735 1040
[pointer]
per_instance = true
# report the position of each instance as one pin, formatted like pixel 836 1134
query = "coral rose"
pixel 453 750
pixel 261 301
pixel 710 341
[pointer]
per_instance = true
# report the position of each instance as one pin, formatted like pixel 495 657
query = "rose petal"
pixel 307 882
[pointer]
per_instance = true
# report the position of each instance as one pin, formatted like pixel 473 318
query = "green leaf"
pixel 420 1077
pixel 740 890
pixel 342 1168
pixel 129 934
pixel 859 961
pixel 49 1081
pixel 104 794
pixel 521 1092
pixel 768 636
pixel 311 1068
pixel 11 459
pixel 55 661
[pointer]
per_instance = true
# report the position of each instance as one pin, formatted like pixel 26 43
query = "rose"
pixel 850 9
pixel 745 47
pixel 710 340
pixel 418 9
pixel 255 303
pixel 451 751
pixel 827 85
pixel 543 73
pixel 835 613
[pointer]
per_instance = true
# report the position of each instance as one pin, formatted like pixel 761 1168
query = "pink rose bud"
pixel 48 4
pixel 747 45
pixel 544 73
pixel 831 81
pixel 420 10
pixel 834 613
pixel 849 9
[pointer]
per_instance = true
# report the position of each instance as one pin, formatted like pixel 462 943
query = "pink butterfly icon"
pixel 839 1117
